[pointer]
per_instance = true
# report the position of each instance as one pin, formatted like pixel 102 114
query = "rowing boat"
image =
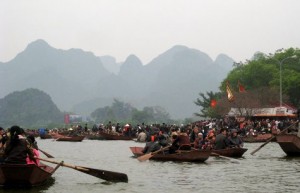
pixel 257 138
pixel 25 175
pixel 179 156
pixel 230 152
pixel 112 136
pixel 71 138
pixel 289 143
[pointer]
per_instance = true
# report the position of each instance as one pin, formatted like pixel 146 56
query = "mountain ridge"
pixel 74 77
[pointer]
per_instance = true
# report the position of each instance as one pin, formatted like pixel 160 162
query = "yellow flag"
pixel 229 92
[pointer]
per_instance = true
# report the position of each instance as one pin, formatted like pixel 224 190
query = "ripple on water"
pixel 267 171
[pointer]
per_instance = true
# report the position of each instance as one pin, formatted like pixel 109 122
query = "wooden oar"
pixel 261 146
pixel 47 154
pixel 225 157
pixel 149 155
pixel 103 174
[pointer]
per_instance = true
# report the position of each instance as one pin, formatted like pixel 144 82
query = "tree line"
pixel 260 77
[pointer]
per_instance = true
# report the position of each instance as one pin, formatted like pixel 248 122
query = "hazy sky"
pixel 147 28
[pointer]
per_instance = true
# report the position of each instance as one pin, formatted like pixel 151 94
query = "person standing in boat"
pixel 234 140
pixel 221 139
pixel 17 148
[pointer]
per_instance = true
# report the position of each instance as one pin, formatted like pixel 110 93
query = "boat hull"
pixel 137 151
pixel 258 138
pixel 289 143
pixel 19 175
pixel 180 156
pixel 231 152
pixel 71 139
pixel 108 136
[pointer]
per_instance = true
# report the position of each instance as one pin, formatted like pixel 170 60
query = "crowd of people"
pixel 15 147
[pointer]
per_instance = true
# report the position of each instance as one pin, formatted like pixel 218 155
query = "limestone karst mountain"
pixel 79 81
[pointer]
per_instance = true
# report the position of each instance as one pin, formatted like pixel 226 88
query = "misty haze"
pixel 81 82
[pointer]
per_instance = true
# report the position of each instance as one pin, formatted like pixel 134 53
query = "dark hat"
pixel 233 131
pixel 31 138
pixel 15 130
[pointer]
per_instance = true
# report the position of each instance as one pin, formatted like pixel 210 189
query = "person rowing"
pixel 35 150
pixel 221 140
pixel 234 140
pixel 152 146
pixel 17 148
pixel 181 141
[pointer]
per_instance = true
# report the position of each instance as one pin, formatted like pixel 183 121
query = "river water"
pixel 269 170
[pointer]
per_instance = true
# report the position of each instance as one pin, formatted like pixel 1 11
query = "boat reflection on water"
pixel 36 189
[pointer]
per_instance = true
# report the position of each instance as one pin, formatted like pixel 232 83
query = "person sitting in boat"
pixel 142 136
pixel 159 141
pixel 210 140
pixel 194 134
pixel 199 142
pixel 173 132
pixel 221 140
pixel 3 139
pixel 181 141
pixel 33 146
pixel 127 130
pixel 72 132
pixel 251 133
pixel 17 148
pixel 234 140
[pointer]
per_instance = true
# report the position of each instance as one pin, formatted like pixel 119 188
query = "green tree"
pixel 29 108
pixel 263 72
pixel 116 112
pixel 205 103
pixel 124 112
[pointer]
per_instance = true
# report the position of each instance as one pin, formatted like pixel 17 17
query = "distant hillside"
pixel 69 76
pixel 110 64
pixel 30 107
pixel 79 81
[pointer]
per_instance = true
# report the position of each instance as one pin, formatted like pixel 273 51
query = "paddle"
pixel 103 174
pixel 225 157
pixel 149 155
pixel 47 154
pixel 253 152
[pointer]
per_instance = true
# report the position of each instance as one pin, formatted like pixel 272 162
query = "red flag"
pixel 213 103
pixel 67 118
pixel 241 87
pixel 229 92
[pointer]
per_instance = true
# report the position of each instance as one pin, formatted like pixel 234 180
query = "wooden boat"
pixel 35 134
pixel 257 138
pixel 111 136
pixel 289 143
pixel 94 137
pixel 180 156
pixel 71 138
pixel 137 151
pixel 231 152
pixel 25 175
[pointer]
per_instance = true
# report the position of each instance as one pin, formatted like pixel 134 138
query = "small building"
pixel 280 112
